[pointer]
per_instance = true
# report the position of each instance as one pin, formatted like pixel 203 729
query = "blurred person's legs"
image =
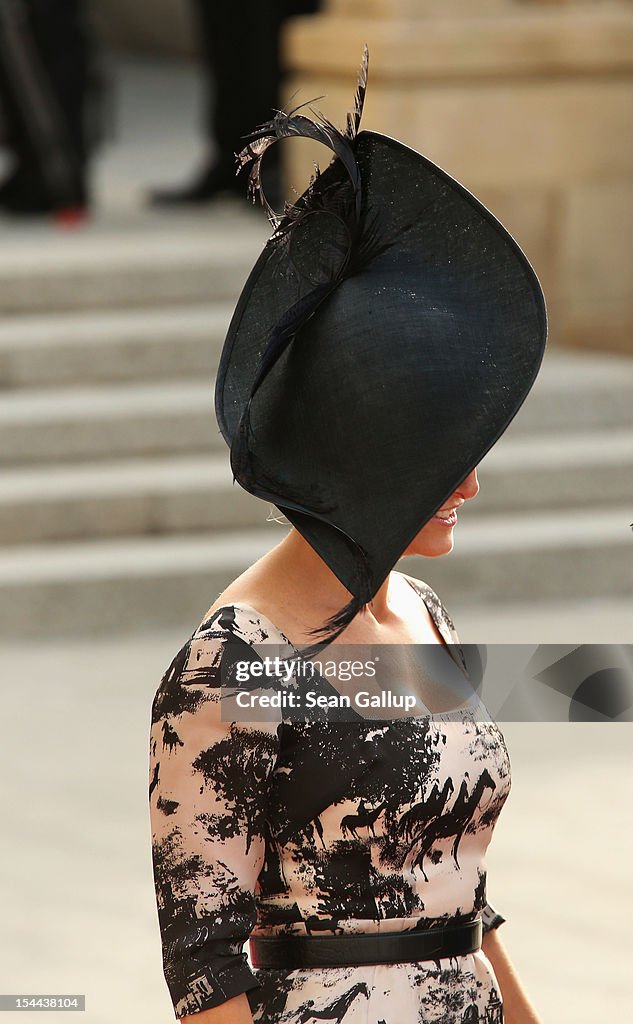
pixel 43 83
pixel 239 44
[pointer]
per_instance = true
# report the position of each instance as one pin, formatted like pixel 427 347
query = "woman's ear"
pixel 275 516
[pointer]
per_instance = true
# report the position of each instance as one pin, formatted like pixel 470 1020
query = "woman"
pixel 384 340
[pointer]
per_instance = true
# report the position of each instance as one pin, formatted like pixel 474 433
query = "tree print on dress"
pixel 237 768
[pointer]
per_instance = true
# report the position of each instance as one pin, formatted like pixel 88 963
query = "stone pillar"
pixel 528 103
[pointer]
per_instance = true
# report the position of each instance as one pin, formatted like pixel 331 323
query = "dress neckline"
pixel 449 635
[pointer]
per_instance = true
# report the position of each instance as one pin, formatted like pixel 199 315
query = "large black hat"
pixel 386 337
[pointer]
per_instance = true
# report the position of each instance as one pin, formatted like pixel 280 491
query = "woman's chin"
pixel 432 545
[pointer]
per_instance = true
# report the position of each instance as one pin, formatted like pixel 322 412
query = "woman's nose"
pixel 470 486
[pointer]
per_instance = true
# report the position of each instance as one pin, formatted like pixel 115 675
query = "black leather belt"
pixel 290 952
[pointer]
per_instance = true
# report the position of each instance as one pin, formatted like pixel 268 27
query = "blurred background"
pixel 125 242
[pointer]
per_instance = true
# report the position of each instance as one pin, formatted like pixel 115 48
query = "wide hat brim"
pixel 402 376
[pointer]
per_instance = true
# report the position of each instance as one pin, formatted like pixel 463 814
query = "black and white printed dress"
pixel 313 827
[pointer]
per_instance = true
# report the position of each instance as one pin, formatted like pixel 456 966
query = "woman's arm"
pixel 234 1011
pixel 517 1008
pixel 208 794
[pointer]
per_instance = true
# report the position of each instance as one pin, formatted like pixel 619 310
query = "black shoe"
pixel 7 187
pixel 219 181
pixel 24 193
pixel 213 183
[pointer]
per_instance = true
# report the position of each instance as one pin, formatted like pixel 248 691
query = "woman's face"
pixel 436 536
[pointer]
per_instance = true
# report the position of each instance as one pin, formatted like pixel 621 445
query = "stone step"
pixel 566 470
pixel 579 391
pixel 175 415
pixel 148 346
pixel 109 267
pixel 133 497
pixel 108 422
pixel 59 350
pixel 568 554
pixel 168 495
pixel 131 584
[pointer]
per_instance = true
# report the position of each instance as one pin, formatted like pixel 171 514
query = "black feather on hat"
pixel 386 337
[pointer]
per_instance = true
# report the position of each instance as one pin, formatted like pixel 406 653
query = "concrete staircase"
pixel 117 507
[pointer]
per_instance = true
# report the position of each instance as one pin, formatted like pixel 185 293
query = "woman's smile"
pixel 447 518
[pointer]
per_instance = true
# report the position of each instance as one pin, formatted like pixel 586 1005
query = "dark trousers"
pixel 239 43
pixel 43 82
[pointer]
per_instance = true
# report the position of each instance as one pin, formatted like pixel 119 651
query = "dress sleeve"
pixel 491 918
pixel 208 784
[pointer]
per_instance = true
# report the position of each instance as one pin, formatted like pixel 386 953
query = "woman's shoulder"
pixel 237 613
pixel 228 634
pixel 435 605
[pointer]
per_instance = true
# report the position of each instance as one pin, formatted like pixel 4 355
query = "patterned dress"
pixel 315 827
